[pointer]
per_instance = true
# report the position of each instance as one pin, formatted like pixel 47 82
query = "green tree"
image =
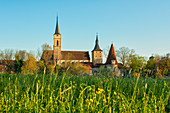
pixel 20 56
pixel 18 64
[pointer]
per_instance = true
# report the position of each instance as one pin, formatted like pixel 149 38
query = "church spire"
pixel 97 47
pixel 57 31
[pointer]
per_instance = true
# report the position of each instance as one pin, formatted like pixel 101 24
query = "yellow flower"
pixel 73 86
pixel 94 97
pixel 91 100
pixel 105 105
pixel 107 98
pixel 115 93
pixel 100 89
pixel 87 100
pixel 98 92
pixel 73 81
pixel 104 100
pixel 114 100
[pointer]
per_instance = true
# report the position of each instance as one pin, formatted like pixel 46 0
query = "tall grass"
pixel 68 93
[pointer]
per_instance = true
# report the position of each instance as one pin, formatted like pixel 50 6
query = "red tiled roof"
pixel 111 56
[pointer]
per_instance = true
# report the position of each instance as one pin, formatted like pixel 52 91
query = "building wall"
pixel 57 48
pixel 97 57
pixel 73 61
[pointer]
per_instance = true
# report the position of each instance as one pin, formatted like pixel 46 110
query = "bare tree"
pixel 46 56
pixel 8 54
pixel 46 47
pixel 21 54
pixel 39 54
pixel 123 54
pixel 106 52
pixel 1 56
pixel 8 59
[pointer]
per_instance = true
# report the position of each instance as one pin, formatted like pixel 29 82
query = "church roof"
pixel 75 55
pixel 111 56
pixel 57 31
pixel 97 47
pixel 66 55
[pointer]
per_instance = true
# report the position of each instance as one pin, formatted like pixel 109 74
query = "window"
pixel 57 42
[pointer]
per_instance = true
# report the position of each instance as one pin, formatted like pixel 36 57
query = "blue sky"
pixel 142 25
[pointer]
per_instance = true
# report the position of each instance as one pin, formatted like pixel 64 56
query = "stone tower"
pixel 57 45
pixel 97 53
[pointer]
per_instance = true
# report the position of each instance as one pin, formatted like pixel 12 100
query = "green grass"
pixel 68 93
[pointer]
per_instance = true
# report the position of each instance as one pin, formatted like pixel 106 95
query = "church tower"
pixel 97 53
pixel 57 45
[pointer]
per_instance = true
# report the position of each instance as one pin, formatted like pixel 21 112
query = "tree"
pixel 46 55
pixel 41 66
pixel 39 54
pixel 123 54
pixel 78 69
pixel 8 59
pixel 1 56
pixel 30 65
pixel 46 47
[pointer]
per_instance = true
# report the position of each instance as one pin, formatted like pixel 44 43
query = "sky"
pixel 142 25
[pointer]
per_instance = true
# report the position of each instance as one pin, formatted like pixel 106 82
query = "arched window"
pixel 57 42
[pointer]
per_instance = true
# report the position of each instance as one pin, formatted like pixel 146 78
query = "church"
pixel 58 57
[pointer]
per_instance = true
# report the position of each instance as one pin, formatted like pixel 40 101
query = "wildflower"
pixel 100 89
pixel 87 100
pixel 114 100
pixel 73 81
pixel 104 100
pixel 94 97
pixel 115 93
pixel 98 92
pixel 91 100
pixel 145 86
pixel 107 98
pixel 105 105
pixel 73 86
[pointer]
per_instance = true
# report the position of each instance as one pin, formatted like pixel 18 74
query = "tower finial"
pixel 57 12
pixel 57 31
pixel 97 36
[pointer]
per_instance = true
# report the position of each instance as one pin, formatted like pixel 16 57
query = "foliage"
pixel 78 69
pixel 123 54
pixel 159 65
pixel 137 63
pixel 41 66
pixel 18 64
pixel 66 93
pixel 30 65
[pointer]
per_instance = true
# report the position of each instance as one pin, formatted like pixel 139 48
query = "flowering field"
pixel 68 93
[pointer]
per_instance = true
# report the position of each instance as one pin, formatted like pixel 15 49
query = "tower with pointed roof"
pixel 97 53
pixel 57 44
pixel 111 58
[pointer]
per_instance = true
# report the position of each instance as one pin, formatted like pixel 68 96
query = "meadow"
pixel 72 93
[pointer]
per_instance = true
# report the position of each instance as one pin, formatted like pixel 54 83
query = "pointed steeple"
pixel 57 31
pixel 97 47
pixel 111 56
